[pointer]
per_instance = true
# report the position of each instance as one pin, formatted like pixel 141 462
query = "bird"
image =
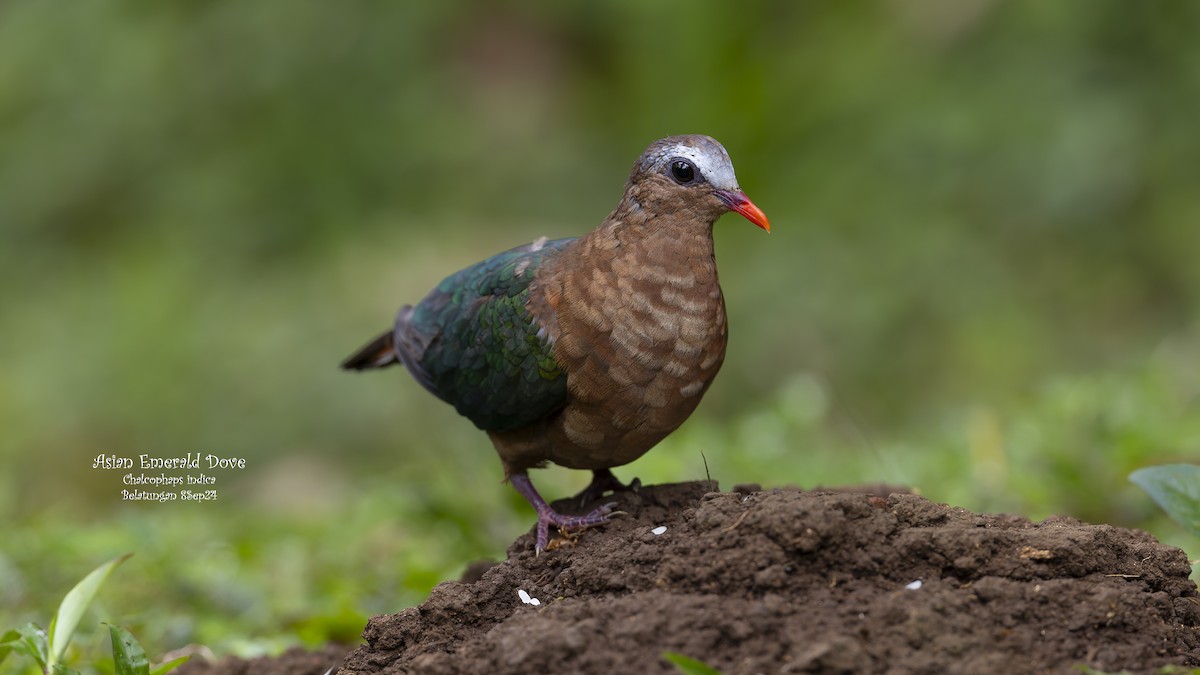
pixel 584 352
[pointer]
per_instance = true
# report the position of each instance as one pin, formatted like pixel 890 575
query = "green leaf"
pixel 29 640
pixel 690 666
pixel 1176 488
pixel 167 667
pixel 5 647
pixel 128 655
pixel 74 605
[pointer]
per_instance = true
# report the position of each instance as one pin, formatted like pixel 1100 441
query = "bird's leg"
pixel 548 516
pixel 603 481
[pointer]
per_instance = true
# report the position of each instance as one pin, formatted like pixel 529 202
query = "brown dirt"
pixel 790 581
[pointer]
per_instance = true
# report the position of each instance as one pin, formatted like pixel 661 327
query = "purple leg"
pixel 548 516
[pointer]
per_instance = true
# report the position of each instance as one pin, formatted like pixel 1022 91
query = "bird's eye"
pixel 683 171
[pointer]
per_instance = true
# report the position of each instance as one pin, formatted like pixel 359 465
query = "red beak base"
pixel 740 203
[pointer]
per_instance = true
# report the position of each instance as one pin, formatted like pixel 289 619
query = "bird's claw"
pixel 566 524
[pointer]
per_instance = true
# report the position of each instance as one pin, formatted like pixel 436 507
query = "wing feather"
pixel 473 343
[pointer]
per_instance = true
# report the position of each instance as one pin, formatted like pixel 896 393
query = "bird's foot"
pixel 548 516
pixel 568 525
pixel 603 481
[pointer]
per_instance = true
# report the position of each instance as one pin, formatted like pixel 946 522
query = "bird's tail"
pixel 378 353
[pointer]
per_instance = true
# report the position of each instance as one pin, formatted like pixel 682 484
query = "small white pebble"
pixel 659 530
pixel 524 596
pixel 914 585
pixel 535 602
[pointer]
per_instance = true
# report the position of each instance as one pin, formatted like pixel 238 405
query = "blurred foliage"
pixel 1176 488
pixel 982 278
pixel 47 650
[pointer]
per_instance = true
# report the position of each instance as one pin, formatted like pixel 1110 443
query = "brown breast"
pixel 639 327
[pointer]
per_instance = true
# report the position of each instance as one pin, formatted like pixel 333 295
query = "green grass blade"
pixel 167 667
pixel 1176 488
pixel 128 656
pixel 74 605
pixel 690 666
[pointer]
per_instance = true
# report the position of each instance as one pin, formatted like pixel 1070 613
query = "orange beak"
pixel 739 202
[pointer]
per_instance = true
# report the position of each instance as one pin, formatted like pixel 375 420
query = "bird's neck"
pixel 667 245
pixel 632 270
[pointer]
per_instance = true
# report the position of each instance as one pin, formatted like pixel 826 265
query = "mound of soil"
pixel 790 581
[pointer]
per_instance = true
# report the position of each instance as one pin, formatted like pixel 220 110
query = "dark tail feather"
pixel 379 353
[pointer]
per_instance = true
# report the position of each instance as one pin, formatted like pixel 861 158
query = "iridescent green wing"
pixel 484 353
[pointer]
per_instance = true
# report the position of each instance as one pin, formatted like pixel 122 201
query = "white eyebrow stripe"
pixel 720 176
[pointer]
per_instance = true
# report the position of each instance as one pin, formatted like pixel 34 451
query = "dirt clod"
pixel 784 581
pixel 791 581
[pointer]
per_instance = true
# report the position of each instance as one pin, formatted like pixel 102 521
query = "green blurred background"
pixel 982 279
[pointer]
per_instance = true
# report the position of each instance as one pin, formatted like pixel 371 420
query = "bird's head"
pixel 690 173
